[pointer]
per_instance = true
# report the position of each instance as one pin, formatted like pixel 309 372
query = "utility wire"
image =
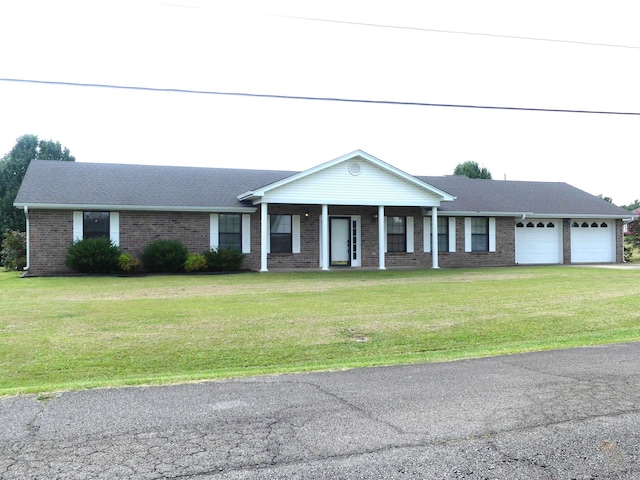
pixel 310 98
pixel 456 32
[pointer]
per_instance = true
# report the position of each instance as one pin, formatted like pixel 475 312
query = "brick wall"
pixel 138 229
pixel 51 233
pixel 619 242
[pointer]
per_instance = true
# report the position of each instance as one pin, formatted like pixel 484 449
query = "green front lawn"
pixel 83 332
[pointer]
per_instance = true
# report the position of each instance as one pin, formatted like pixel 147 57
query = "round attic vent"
pixel 354 168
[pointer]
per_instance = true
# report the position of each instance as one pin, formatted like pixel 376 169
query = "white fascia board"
pixel 135 208
pixel 612 217
pixel 442 213
pixel 444 196
pixel 361 203
pixel 527 215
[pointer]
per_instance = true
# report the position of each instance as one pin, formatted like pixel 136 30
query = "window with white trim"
pixel 95 225
pixel 479 234
pixel 280 235
pixel 230 231
pixel 443 234
pixel 396 234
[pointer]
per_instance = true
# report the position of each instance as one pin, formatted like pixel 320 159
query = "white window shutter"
pixel 492 234
pixel 214 237
pixel 426 234
pixel 467 234
pixel 295 231
pixel 246 233
pixel 114 228
pixel 384 219
pixel 409 234
pixel 78 228
pixel 452 234
pixel 268 233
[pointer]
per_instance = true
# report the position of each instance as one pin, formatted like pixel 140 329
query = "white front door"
pixel 340 249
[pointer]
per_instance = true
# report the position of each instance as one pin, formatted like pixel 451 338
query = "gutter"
pixel 28 249
pixel 135 208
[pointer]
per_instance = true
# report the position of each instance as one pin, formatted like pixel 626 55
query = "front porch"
pixel 338 236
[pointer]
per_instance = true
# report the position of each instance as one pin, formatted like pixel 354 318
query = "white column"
pixel 325 237
pixel 264 236
pixel 434 236
pixel 382 240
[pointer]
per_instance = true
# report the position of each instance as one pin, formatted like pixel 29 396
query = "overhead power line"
pixel 459 32
pixel 311 98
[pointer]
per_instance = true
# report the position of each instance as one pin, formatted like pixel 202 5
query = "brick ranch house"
pixel 353 211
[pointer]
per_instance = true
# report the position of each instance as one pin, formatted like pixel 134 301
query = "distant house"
pixel 353 211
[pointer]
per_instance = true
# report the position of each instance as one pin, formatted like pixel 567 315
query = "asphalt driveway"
pixel 571 414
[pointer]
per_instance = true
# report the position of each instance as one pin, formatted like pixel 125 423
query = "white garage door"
pixel 538 241
pixel 593 241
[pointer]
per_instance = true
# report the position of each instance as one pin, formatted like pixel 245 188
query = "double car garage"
pixel 540 241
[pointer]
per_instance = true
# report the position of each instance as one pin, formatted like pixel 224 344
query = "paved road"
pixel 571 414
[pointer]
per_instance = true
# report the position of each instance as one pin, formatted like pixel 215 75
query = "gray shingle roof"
pixel 539 198
pixel 98 184
pixel 75 183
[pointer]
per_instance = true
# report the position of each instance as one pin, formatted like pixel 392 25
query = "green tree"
pixel 14 165
pixel 632 206
pixel 472 170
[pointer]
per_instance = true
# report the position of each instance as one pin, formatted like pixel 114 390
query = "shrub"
pixel 195 263
pixel 14 250
pixel 127 263
pixel 224 259
pixel 93 255
pixel 166 256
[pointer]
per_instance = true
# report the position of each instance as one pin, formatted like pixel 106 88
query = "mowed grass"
pixel 84 332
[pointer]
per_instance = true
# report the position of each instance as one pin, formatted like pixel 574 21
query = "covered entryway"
pixel 340 241
pixel 593 241
pixel 539 241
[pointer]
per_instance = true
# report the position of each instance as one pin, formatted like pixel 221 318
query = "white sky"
pixel 255 47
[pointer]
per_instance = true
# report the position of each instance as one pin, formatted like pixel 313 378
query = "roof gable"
pixel 353 179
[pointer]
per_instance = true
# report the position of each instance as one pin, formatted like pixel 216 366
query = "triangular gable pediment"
pixel 353 179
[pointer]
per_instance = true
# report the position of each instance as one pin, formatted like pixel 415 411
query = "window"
pixel 396 234
pixel 443 234
pixel 230 231
pixel 280 234
pixel 480 234
pixel 95 224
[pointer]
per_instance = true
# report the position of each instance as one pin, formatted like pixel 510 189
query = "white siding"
pixel 337 186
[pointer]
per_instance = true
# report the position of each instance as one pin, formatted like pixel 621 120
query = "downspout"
pixel 26 214
pixel 524 215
